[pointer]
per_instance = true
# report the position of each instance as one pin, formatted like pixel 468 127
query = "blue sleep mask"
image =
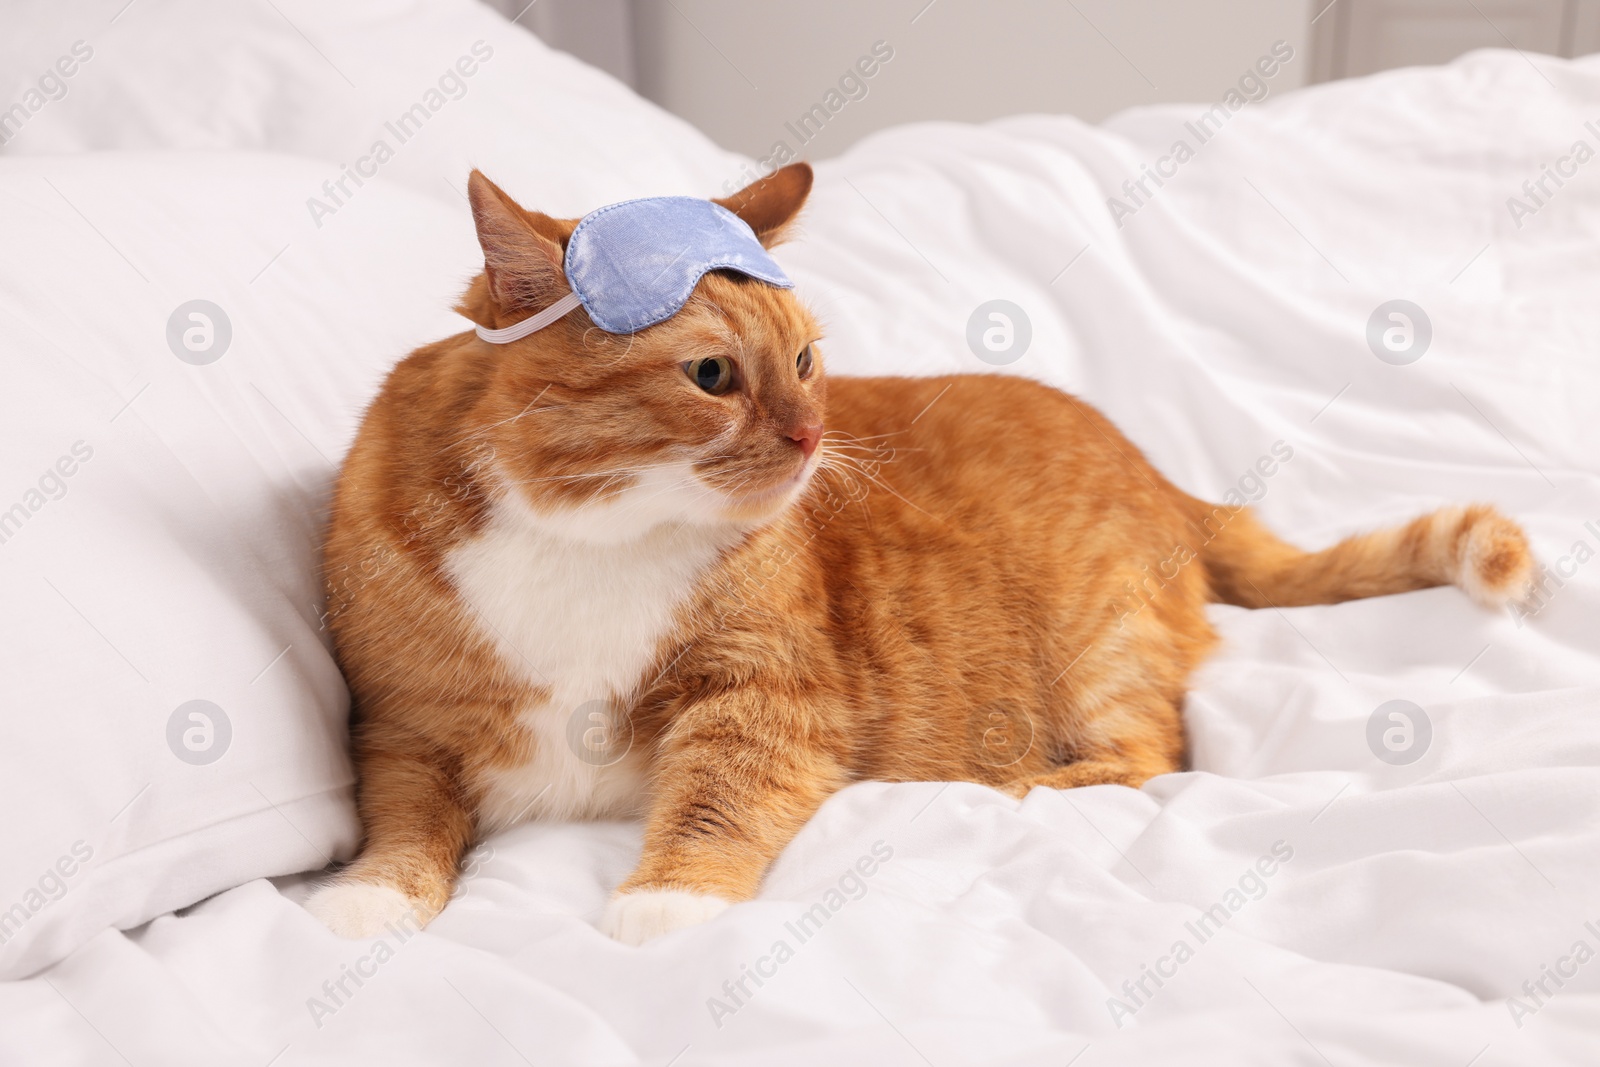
pixel 634 264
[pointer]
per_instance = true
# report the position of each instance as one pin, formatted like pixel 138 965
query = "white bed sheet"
pixel 1226 315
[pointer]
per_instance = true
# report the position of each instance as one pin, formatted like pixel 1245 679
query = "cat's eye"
pixel 714 374
pixel 803 362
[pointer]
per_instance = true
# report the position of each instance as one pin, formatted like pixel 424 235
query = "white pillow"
pixel 160 516
pixel 332 80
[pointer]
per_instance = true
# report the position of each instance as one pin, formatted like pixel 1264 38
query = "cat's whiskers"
pixel 866 437
pixel 834 461
pixel 892 491
pixel 856 465
pixel 836 440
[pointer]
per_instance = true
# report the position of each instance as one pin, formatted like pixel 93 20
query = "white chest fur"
pixel 579 607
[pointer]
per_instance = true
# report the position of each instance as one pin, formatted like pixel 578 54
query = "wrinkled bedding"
pixel 1309 892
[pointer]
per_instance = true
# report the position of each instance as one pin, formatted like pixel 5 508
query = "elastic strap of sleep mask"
pixel 518 331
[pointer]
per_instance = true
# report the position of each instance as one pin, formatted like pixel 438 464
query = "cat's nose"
pixel 807 437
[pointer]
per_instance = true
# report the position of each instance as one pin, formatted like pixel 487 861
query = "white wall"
pixel 741 69
pixel 599 32
pixel 745 71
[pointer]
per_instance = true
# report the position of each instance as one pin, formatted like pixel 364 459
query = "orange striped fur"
pixel 523 534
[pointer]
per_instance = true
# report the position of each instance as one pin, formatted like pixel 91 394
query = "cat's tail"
pixel 1475 547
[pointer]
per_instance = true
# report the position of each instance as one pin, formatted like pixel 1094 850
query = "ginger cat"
pixel 681 573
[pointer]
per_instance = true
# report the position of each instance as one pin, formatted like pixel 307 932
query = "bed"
pixel 1346 305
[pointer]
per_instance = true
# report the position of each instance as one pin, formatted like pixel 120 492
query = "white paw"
pixel 362 909
pixel 634 918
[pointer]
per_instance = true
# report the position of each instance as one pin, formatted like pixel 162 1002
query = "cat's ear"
pixel 523 265
pixel 769 206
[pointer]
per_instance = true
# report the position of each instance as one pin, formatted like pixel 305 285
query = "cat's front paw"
pixel 363 909
pixel 634 918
